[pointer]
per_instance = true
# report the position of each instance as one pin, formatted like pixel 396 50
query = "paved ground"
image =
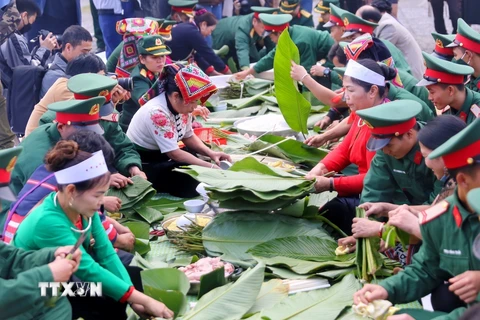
pixel 416 15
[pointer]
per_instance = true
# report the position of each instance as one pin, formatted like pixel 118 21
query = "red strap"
pixel 127 295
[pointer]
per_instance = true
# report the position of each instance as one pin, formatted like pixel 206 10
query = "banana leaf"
pixel 232 114
pixel 268 206
pixel 245 102
pixel 256 83
pixel 139 261
pixel 314 118
pixel 231 301
pixel 335 275
pixel 271 293
pixel 325 304
pixel 149 214
pixel 141 230
pixel 168 285
pixel 317 201
pixel 293 150
pixel 253 196
pixel 270 99
pixel 301 247
pixel 295 108
pixel 134 195
pixel 305 267
pixel 231 234
pixel 211 280
pixel 286 274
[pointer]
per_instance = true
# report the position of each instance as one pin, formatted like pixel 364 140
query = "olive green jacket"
pixel 410 84
pixel 474 84
pixel 113 59
pixel 448 232
pixel 400 181
pixel 303 18
pixel 312 45
pixel 471 103
pixel 396 93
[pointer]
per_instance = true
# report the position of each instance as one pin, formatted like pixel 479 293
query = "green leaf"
pixel 140 229
pixel 337 274
pixel 317 201
pixel 166 279
pixel 232 233
pixel 328 303
pixel 287 274
pixel 211 280
pixel 271 293
pixel 306 267
pixel 295 108
pixel 174 300
pixel 301 247
pixel 149 214
pixel 140 262
pixel 231 301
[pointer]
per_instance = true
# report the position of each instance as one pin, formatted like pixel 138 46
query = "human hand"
pixel 348 242
pixel 118 94
pixel 365 228
pixel 324 123
pixel 119 181
pixel 322 184
pixel 219 156
pixel 62 269
pixel 152 308
pixel 125 241
pixel 201 111
pixel 374 208
pixel 404 219
pixel 242 74
pixel 369 293
pixel 317 70
pixel 466 285
pixel 112 204
pixel 49 42
pixel 316 141
pixel 298 72
pixel 135 171
pixel 318 170
pixel 62 252
pixel 401 317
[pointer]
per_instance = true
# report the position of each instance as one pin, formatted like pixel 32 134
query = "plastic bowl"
pixel 220 107
pixel 194 206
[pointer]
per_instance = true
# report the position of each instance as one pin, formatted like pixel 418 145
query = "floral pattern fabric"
pixel 155 127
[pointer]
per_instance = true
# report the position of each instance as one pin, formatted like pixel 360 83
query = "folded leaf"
pixel 149 214
pixel 174 300
pixel 306 267
pixel 211 280
pixel 166 279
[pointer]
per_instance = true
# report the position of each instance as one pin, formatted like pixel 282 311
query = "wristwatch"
pixel 326 73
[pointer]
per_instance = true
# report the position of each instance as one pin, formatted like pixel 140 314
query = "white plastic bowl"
pixel 222 106
pixel 194 206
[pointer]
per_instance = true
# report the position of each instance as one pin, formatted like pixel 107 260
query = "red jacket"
pixel 353 149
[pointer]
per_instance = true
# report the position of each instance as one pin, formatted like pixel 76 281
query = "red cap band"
pixel 279 28
pixel 336 20
pixel 396 129
pixel 78 96
pixel 462 157
pixel 467 43
pixel 256 15
pixel 72 118
pixel 444 77
pixel 444 51
pixel 359 27
pixel 188 11
pixel 5 176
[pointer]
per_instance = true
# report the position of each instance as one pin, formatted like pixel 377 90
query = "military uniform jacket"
pixel 396 93
pixel 303 18
pixel 400 181
pixel 470 109
pixel 143 81
pixel 238 34
pixel 410 84
pixel 397 55
pixel 112 61
pixel 20 273
pixel 448 232
pixel 474 84
pixel 312 45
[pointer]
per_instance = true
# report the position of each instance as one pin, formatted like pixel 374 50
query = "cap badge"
pixel 95 109
pixel 158 42
pixel 11 164
pixel 345 21
pixel 439 43
pixel 368 124
pixel 103 93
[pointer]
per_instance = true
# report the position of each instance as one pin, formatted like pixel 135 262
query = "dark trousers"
pixel 454 10
pixel 341 212
pixel 108 22
pixel 159 170
pixel 97 31
pixel 444 300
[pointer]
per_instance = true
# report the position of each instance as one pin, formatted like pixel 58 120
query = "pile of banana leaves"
pixel 245 88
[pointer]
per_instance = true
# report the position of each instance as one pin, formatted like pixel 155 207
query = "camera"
pixel 43 33
pixel 125 83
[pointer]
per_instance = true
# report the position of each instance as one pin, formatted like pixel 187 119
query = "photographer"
pixel 14 52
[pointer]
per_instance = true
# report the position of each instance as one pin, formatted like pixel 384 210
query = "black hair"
pixel 75 35
pixel 438 130
pixel 29 6
pixel 381 69
pixel 91 142
pixel 337 51
pixel 204 16
pixel 372 14
pixel 470 170
pixel 85 63
pixel 66 154
pixel 382 6
pixel 170 72
pixel 460 87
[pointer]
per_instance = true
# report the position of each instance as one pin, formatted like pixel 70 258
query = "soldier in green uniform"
pixel 242 35
pixel 145 76
pixel 300 17
pixel 448 230
pixel 466 48
pixel 182 10
pixel 398 173
pixel 86 86
pixel 323 8
pixel 441 50
pixel 21 271
pixel 445 83
pixel 356 26
pixel 335 23
pixel 313 45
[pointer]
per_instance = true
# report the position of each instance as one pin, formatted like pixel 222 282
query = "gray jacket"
pixel 53 74
pixel 116 5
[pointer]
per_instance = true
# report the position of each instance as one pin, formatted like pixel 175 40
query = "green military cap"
pixel 89 85
pixel 462 149
pixel 259 10
pixel 340 70
pixel 275 22
pixel 336 14
pixel 288 6
pixel 441 71
pixel 165 29
pixel 441 50
pixel 82 114
pixel 8 158
pixel 323 6
pixel 184 6
pixel 389 120
pixel 473 198
pixel 466 37
pixel 153 45
pixel 354 24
